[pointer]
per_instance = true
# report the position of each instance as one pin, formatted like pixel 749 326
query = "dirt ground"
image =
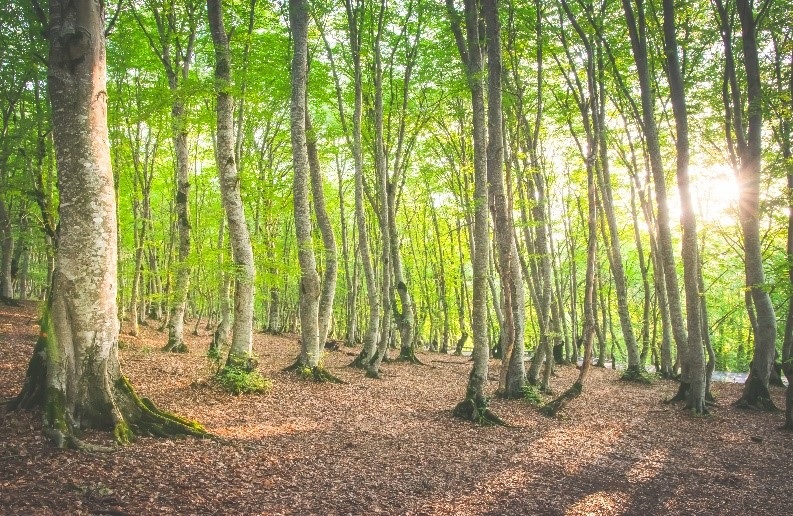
pixel 391 446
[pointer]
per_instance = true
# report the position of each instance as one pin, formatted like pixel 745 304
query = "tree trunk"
pixel 755 392
pixel 667 259
pixel 311 348
pixel 475 407
pixel 328 238
pixel 690 252
pixel 383 216
pixel 74 373
pixel 354 18
pixel 6 253
pixel 242 251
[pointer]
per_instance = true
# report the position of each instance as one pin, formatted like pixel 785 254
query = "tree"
pixel 690 251
pixel 475 407
pixel 244 269
pixel 74 374
pixel 175 46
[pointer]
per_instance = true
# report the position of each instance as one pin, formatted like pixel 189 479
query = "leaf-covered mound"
pixel 391 445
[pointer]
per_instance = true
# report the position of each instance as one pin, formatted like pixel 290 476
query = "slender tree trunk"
pixel 368 352
pixel 690 252
pixel 311 348
pixel 326 230
pixel 239 238
pixel 475 406
pixel 6 252
pixel 638 39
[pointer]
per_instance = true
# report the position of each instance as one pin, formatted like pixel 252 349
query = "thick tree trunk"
pixel 74 373
pixel 245 272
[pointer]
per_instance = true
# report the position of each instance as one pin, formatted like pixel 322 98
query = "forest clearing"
pixel 392 446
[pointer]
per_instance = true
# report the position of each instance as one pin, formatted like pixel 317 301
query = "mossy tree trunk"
pixel 74 374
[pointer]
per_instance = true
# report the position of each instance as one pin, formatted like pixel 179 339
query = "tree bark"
pixel 690 251
pixel 311 349
pixel 245 272
pixel 74 373
pixel 475 406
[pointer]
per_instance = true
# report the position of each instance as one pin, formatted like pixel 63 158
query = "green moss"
pixel 122 433
pixel 55 410
pixel 532 394
pixel 240 381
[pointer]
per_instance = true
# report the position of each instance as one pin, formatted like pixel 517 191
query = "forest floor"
pixel 391 446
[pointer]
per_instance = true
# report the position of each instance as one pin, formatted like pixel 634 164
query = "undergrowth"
pixel 240 381
pixel 532 394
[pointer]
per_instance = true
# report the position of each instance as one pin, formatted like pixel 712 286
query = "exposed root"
pixel 144 418
pixel 360 361
pixel 316 373
pixel 478 413
pixel 33 390
pixel 552 408
pixel 756 396
pixel 682 393
pixel 408 355
pixel 9 302
pixel 175 347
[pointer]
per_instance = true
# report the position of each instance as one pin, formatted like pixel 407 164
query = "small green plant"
pixel 532 395
pixel 240 381
pixel 214 354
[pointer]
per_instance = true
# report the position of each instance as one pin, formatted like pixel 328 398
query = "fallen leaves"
pixel 390 446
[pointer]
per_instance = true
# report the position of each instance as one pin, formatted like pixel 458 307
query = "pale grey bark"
pixel 239 237
pixel 83 310
pixel 330 274
pixel 469 47
pixel 513 375
pixel 383 216
pixel 311 348
pixel 174 46
pixel 354 15
pixel 690 251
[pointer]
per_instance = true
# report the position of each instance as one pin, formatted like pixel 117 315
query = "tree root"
pixel 408 355
pixel 360 361
pixel 470 410
pixel 636 375
pixel 175 347
pixel 316 373
pixel 552 408
pixel 144 418
pixel 682 393
pixel 756 396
